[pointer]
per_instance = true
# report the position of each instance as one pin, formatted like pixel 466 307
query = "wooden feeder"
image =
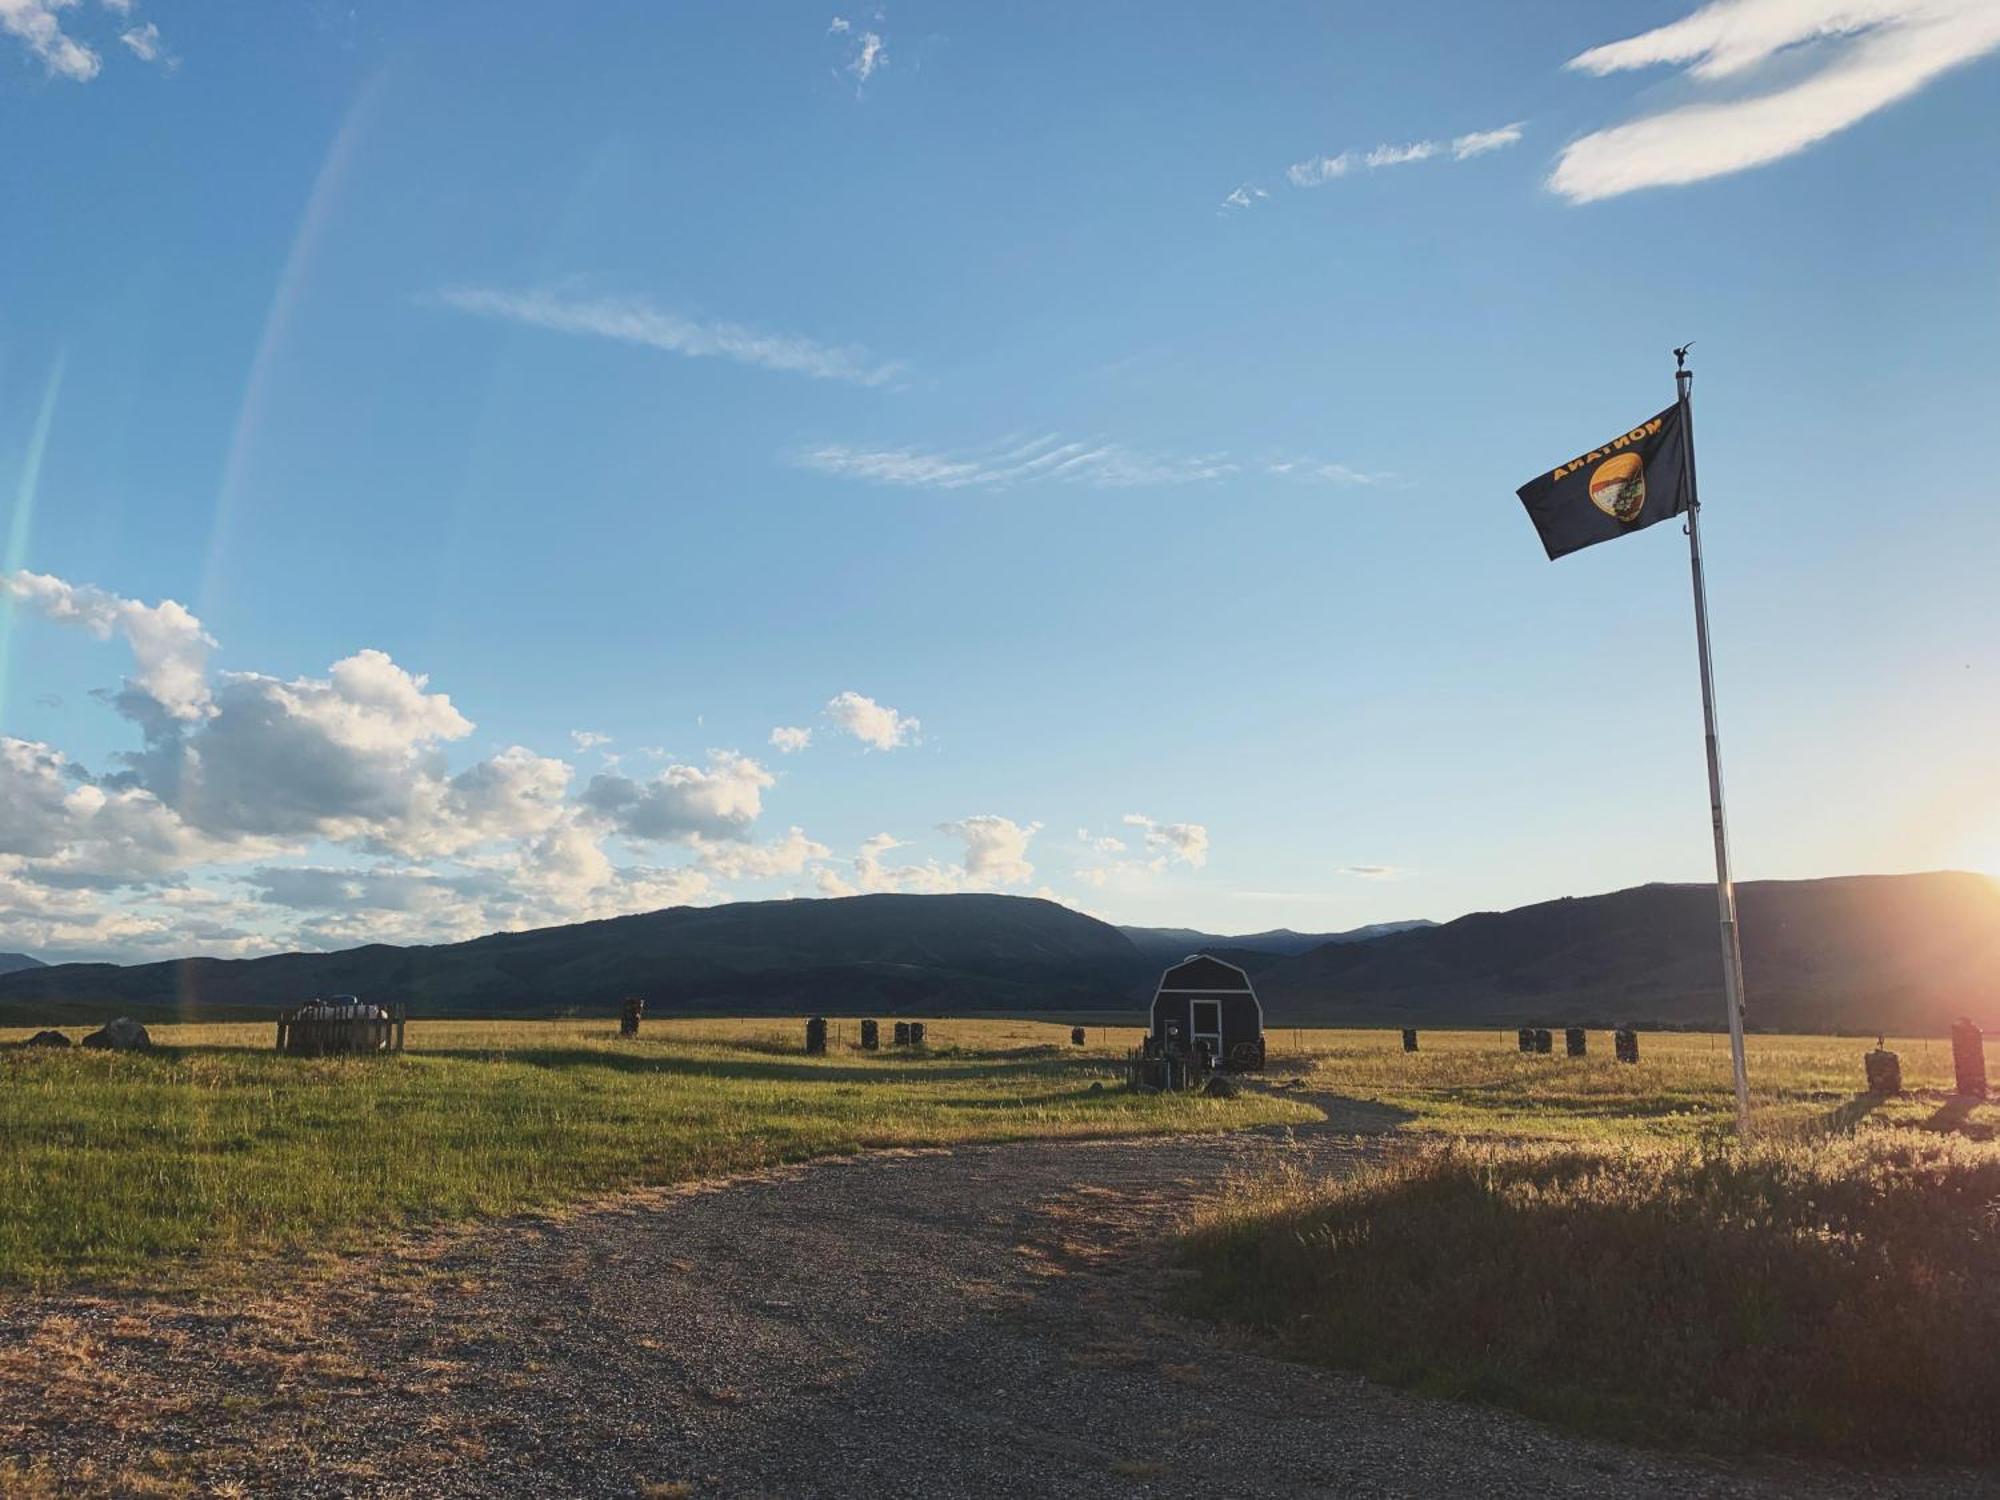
pixel 1576 1041
pixel 902 1033
pixel 1076 1036
pixel 1409 1038
pixel 1544 1043
pixel 871 1035
pixel 342 1024
pixel 1526 1037
pixel 1625 1043
pixel 630 1016
pixel 916 1033
pixel 816 1036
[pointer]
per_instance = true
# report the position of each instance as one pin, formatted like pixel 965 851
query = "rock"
pixel 122 1035
pixel 1222 1086
pixel 47 1039
pixel 1097 1087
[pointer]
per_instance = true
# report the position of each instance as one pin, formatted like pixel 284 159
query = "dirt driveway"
pixel 979 1321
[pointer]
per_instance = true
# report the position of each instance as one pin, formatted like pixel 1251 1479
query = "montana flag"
pixel 1624 485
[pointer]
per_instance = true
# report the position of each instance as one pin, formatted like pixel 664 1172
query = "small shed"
pixel 1204 1002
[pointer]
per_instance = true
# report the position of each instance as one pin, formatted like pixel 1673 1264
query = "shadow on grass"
pixel 798 1070
pixel 1844 1117
pixel 1954 1117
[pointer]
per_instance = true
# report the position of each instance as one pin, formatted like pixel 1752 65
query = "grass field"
pixel 215 1148
pixel 1589 1243
pixel 1479 1083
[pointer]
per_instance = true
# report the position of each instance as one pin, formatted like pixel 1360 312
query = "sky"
pixel 472 466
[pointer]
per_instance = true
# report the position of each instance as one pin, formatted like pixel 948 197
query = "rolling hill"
pixel 1166 945
pixel 1856 953
pixel 11 963
pixel 879 952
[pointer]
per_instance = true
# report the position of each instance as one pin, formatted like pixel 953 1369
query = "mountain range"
pixel 1859 953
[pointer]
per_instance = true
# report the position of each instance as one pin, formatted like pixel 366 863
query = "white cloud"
pixel 839 26
pixel 1373 872
pixel 789 739
pixel 35 24
pixel 786 856
pixel 1317 171
pixel 1479 142
pixel 874 724
pixel 996 849
pixel 1047 459
pixel 632 321
pixel 865 50
pixel 682 803
pixel 588 739
pixel 168 644
pixel 1053 459
pixel 1245 195
pixel 1828 64
pixel 145 44
pixel 1184 843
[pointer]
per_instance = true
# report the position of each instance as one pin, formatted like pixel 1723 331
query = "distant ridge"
pixel 1168 944
pixel 13 963
pixel 878 952
pixel 1857 953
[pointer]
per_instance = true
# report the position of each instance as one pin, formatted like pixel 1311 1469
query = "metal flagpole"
pixel 1725 888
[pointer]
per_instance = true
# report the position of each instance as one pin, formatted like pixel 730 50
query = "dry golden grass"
pixel 1825 1293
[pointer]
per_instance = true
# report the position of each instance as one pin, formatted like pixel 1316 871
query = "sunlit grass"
pixel 1479 1083
pixel 215 1147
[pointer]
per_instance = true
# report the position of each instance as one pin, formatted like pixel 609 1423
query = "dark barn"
pixel 1210 1003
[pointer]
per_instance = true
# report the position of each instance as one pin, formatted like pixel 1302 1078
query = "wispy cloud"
pixel 1053 458
pixel 866 51
pixel 1373 872
pixel 34 23
pixel 1317 171
pixel 1859 56
pixel 144 43
pixel 634 321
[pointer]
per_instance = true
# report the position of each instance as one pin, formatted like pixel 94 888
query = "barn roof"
pixel 1200 972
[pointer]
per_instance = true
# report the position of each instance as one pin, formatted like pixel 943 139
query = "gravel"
pixel 980 1321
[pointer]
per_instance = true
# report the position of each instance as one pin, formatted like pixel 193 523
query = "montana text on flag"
pixel 1624 485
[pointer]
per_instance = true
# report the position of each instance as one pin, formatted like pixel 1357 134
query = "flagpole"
pixel 1725 887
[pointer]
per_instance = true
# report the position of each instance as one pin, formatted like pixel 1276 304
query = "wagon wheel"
pixel 1246 1055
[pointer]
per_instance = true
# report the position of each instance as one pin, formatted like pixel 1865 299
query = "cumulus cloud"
pixel 588 739
pixel 1182 843
pixel 168 644
pixel 789 855
pixel 682 803
pixel 37 26
pixel 1777 77
pixel 996 849
pixel 632 320
pixel 874 724
pixel 789 739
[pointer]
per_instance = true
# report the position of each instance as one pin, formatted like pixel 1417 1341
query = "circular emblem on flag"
pixel 1618 487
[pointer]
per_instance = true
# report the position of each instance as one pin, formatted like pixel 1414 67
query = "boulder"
pixel 1221 1086
pixel 47 1039
pixel 122 1035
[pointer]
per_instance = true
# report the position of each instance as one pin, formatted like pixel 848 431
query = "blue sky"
pixel 442 446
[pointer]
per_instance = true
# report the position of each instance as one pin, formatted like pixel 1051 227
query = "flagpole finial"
pixel 1681 355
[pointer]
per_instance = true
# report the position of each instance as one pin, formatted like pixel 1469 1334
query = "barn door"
pixel 1205 1025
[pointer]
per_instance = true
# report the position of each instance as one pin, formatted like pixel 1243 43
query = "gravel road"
pixel 979 1321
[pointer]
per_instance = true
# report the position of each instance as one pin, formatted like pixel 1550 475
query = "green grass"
pixel 1477 1083
pixel 1824 1294
pixel 181 1163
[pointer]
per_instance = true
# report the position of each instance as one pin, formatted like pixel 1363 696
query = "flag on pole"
pixel 1624 485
